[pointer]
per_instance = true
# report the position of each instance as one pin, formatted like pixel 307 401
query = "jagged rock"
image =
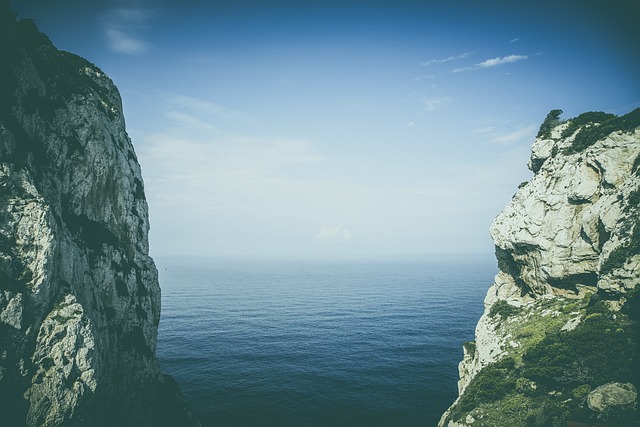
pixel 64 354
pixel 612 395
pixel 568 241
pixel 561 226
pixel 79 294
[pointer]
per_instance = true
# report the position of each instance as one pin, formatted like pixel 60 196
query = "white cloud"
pixel 206 108
pixel 525 133
pixel 485 130
pixel 123 27
pixel 493 62
pixel 197 115
pixel 231 194
pixel 434 103
pixel 190 121
pixel 334 233
pixel 443 60
pixel 501 60
pixel 121 42
pixel 190 163
pixel 508 137
pixel 514 40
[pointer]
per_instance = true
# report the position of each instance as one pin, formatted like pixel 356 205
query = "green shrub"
pixel 569 308
pixel 470 347
pixel 594 353
pixel 583 119
pixel 580 393
pixel 503 309
pixel 596 126
pixel 549 384
pixel 490 384
pixel 552 120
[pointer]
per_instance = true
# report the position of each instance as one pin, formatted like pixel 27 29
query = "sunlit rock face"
pixel 79 294
pixel 568 251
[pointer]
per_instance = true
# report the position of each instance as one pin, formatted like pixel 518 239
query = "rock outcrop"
pixel 79 294
pixel 561 320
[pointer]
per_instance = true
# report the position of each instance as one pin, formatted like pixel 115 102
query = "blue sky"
pixel 343 129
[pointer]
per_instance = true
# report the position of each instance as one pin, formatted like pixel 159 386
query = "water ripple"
pixel 285 344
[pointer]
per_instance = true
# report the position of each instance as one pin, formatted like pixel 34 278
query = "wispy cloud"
pixel 123 28
pixel 192 149
pixel 435 103
pixel 190 121
pixel 235 175
pixel 204 108
pixel 493 62
pixel 524 134
pixel 443 60
pixel 485 130
pixel 190 114
pixel 514 40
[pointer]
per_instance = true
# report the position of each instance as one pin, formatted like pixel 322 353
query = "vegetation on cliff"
pixel 590 126
pixel 546 379
pixel 559 340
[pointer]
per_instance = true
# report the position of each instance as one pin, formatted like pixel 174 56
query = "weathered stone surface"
pixel 612 395
pixel 562 225
pixel 79 295
pixel 571 231
pixel 64 354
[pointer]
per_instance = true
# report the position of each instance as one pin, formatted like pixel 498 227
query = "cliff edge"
pixel 558 341
pixel 79 294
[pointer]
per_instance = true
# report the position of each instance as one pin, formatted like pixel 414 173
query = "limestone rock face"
pixel 568 251
pixel 79 294
pixel 559 228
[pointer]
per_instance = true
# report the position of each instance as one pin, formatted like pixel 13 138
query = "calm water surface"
pixel 264 343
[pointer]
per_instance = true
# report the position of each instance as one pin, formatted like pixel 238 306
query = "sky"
pixel 351 129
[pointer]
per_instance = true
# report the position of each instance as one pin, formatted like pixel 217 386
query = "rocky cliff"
pixel 79 294
pixel 558 340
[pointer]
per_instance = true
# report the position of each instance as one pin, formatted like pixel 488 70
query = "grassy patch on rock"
pixel 544 379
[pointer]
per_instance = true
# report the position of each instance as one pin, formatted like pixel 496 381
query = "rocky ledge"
pixel 558 341
pixel 79 294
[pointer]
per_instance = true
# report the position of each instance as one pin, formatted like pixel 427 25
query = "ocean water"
pixel 273 343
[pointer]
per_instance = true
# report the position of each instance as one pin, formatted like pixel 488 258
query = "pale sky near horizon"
pixel 343 129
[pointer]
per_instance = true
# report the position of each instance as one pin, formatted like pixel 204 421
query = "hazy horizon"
pixel 342 129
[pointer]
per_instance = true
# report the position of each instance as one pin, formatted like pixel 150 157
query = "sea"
pixel 319 343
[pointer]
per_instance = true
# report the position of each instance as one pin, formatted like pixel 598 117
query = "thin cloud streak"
pixel 524 134
pixel 444 60
pixel 495 135
pixel 205 108
pixel 493 62
pixel 435 103
pixel 121 42
pixel 122 28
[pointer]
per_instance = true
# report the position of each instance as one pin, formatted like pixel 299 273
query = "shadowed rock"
pixel 79 294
